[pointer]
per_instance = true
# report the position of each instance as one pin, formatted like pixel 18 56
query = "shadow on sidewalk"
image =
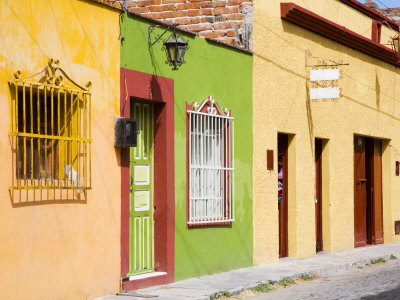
pixel 392 295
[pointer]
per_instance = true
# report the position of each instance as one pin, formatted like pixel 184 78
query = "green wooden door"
pixel 141 202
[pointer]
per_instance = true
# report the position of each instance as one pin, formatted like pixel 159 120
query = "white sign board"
pixel 323 75
pixel 325 93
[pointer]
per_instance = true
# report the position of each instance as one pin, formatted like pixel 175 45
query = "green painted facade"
pixel 226 74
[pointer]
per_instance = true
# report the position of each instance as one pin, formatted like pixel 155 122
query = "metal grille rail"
pixel 50 134
pixel 211 164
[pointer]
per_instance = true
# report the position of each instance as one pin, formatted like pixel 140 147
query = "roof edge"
pixel 371 13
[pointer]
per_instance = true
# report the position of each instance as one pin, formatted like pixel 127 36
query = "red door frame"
pixel 160 91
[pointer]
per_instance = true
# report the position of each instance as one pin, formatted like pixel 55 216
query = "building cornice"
pixel 304 18
pixel 371 13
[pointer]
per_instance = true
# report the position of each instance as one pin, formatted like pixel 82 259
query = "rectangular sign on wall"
pixel 323 75
pixel 325 93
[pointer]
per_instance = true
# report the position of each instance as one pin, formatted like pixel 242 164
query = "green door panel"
pixel 141 201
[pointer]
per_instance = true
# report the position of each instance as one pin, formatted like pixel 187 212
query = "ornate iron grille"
pixel 50 134
pixel 211 164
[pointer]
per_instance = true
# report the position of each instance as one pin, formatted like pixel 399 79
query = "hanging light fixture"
pixel 396 43
pixel 174 46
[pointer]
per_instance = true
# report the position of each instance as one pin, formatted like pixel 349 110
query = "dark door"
pixel 318 194
pixel 377 192
pixel 282 194
pixel 368 209
pixel 360 192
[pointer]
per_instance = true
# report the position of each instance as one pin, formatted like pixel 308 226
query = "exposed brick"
pixel 199 27
pixel 212 4
pixel 230 42
pixel 174 14
pixel 144 3
pixel 159 8
pixel 222 26
pixel 186 21
pixel 182 6
pixel 233 2
pixel 231 33
pixel 214 19
pixel 154 16
pixel 139 10
pixel 235 17
pixel 211 34
pixel 225 10
pixel 172 1
pixel 199 12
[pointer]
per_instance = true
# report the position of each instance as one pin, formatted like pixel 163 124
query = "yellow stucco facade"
pixel 62 249
pixel 369 106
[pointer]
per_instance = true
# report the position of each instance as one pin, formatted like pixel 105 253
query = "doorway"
pixel 283 193
pixel 368 209
pixel 141 182
pixel 318 195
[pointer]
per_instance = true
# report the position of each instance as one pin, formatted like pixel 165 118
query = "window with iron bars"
pixel 50 130
pixel 210 165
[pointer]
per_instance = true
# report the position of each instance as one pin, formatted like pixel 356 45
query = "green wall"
pixel 226 74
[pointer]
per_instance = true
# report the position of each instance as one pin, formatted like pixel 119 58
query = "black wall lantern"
pixel 174 46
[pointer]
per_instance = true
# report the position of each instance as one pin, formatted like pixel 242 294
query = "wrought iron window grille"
pixel 211 164
pixel 50 134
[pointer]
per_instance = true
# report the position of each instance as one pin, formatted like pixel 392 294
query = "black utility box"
pixel 125 133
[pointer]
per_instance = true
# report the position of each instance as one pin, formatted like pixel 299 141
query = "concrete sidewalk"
pixel 239 280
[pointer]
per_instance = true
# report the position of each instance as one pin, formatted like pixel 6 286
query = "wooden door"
pixel 360 192
pixel 377 193
pixel 141 208
pixel 282 194
pixel 318 195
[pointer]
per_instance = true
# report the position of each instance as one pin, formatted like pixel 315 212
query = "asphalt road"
pixel 380 281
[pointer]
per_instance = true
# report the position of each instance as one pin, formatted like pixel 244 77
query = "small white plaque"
pixel 324 93
pixel 326 74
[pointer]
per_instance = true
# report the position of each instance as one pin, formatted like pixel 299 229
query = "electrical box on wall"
pixel 270 160
pixel 125 133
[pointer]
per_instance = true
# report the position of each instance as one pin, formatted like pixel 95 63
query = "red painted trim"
pixel 376 31
pixel 371 13
pixel 211 224
pixel 313 22
pixel 160 91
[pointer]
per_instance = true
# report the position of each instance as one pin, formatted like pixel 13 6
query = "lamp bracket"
pixel 323 62
pixel 158 37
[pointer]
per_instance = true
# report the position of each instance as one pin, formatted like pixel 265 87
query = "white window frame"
pixel 211 164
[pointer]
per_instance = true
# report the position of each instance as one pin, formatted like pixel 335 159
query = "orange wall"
pixel 62 250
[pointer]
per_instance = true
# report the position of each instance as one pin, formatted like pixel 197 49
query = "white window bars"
pixel 211 164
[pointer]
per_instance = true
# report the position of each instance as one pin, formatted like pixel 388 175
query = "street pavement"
pixel 235 281
pixel 380 281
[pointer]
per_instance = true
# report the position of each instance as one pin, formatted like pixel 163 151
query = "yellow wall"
pixel 69 250
pixel 369 106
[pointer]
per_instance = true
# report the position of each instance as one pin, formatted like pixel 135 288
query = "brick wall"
pixel 227 21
